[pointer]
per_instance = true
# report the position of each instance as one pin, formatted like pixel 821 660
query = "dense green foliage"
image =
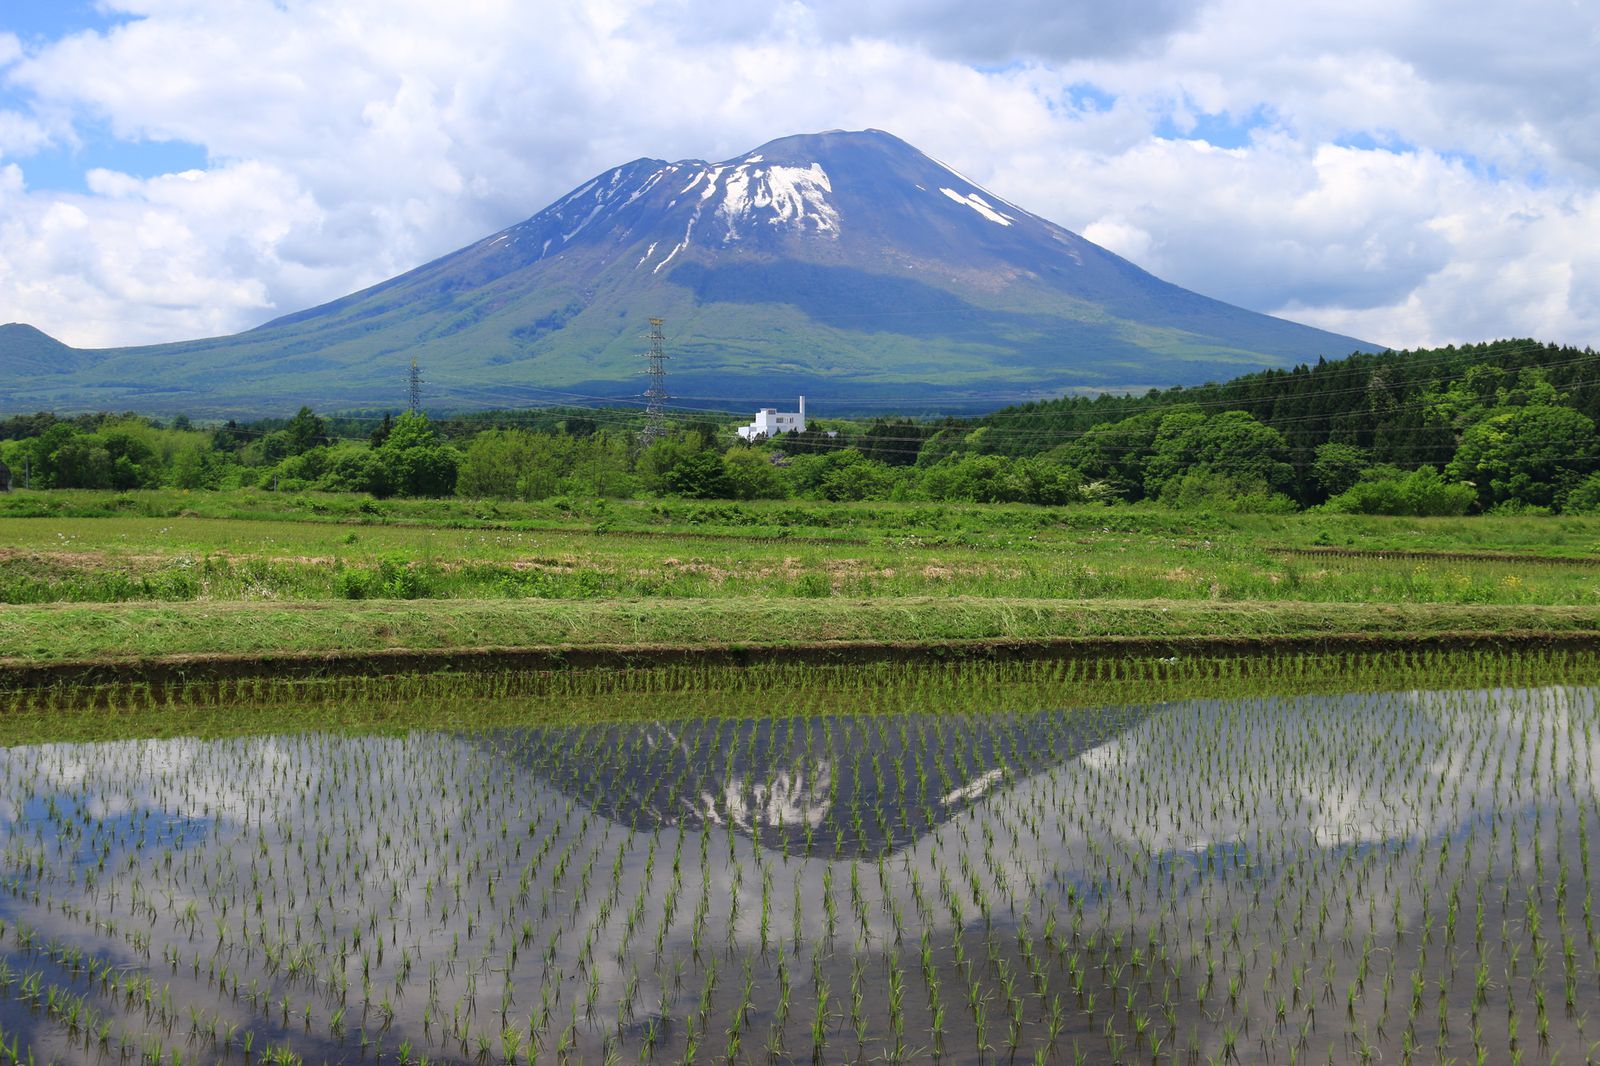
pixel 1515 419
pixel 1507 426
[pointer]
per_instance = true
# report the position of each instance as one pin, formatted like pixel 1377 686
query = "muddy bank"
pixel 1406 555
pixel 180 669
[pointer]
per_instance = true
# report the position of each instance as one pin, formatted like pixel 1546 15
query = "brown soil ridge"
pixel 168 670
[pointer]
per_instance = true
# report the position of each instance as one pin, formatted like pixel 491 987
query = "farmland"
pixel 97 577
pixel 1226 878
pixel 313 779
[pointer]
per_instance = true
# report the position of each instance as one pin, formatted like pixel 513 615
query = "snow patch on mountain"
pixel 796 197
pixel 688 232
pixel 711 183
pixel 649 184
pixel 980 205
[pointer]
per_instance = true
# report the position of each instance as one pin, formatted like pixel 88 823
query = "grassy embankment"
pixel 118 578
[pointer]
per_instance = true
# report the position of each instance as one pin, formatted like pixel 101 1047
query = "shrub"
pixel 814 586
pixel 1584 497
pixel 351 585
pixel 1422 492
pixel 1203 488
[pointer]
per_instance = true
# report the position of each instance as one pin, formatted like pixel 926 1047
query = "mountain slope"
pixel 26 351
pixel 848 266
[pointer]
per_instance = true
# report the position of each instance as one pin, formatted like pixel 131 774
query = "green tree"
pixel 1584 498
pixel 658 460
pixel 999 479
pixel 1528 456
pixel 418 464
pixel 600 465
pixel 305 431
pixel 895 443
pixel 701 475
pixel 493 464
pixel 750 475
pixel 419 471
pixel 1114 453
pixel 550 464
pixel 81 462
pixel 191 469
pixel 133 460
pixel 380 432
pixel 1230 444
pixel 1200 487
pixel 410 430
pixel 1466 399
pixel 358 469
pixel 1338 466
pixel 840 475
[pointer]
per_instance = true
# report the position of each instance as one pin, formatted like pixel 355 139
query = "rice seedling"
pixel 1303 862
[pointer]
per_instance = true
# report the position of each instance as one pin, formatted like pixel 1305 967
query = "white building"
pixel 770 422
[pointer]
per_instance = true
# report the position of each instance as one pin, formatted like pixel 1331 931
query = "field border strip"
pixel 1403 554
pixel 167 670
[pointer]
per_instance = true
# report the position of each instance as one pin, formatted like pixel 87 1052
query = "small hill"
pixel 26 352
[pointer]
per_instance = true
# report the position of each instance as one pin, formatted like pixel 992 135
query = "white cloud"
pixel 349 141
pixel 187 253
pixel 20 135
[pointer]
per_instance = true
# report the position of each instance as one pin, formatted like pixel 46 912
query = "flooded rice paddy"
pixel 1389 877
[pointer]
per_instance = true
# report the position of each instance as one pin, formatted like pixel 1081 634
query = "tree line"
pixel 1508 426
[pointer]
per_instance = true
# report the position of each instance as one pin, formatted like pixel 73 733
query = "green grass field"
pixel 90 576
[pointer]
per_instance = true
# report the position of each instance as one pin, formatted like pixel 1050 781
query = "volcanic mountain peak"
pixel 847 266
pixel 792 187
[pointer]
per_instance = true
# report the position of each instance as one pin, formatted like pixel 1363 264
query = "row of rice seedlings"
pixel 486 698
pixel 1257 880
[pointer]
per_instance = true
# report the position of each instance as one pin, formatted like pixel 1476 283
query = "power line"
pixel 661 415
pixel 688 415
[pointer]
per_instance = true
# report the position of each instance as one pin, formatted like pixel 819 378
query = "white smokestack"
pixel 802 411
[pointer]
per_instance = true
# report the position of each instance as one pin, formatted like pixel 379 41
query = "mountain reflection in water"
pixel 851 786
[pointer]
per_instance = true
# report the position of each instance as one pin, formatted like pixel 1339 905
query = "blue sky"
pixel 45 20
pixel 62 166
pixel 1406 171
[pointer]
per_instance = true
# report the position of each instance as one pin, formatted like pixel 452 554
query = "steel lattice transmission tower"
pixel 415 403
pixel 656 395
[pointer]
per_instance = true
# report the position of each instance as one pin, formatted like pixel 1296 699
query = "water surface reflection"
pixel 1320 877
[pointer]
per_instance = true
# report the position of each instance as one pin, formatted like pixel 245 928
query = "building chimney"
pixel 802 410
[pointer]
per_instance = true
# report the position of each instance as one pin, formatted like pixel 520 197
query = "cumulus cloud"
pixel 191 252
pixel 1405 170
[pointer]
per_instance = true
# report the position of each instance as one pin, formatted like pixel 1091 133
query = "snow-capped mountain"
pixel 847 266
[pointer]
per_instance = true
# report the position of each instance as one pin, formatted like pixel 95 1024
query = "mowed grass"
pixel 1564 535
pixel 107 576
pixel 194 558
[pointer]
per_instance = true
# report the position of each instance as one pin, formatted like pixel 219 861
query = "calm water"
pixel 1357 878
